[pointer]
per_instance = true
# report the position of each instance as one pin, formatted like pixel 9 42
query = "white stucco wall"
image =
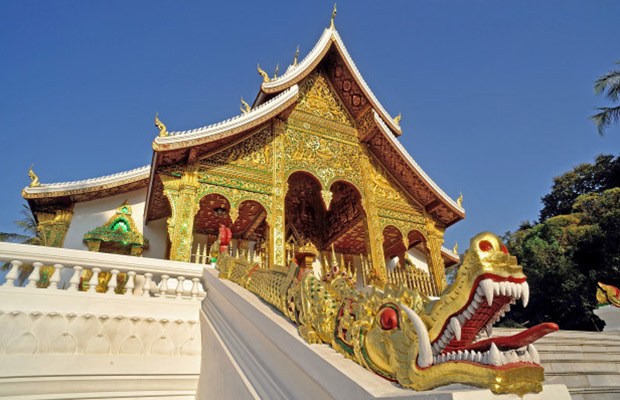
pixel 91 214
pixel 419 259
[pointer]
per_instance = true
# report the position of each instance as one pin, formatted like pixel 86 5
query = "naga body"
pixel 405 336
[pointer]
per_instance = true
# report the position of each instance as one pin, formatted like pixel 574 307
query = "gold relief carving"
pixel 53 227
pixel 234 213
pixel 328 160
pixel 234 195
pixel 253 153
pixel 366 123
pixel 317 97
pixel 327 197
pixel 436 262
pixel 280 188
pixel 374 234
pixel 182 194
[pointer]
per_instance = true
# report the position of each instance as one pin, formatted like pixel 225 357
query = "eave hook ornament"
pixel 455 249
pixel 33 178
pixel 160 125
pixel 459 201
pixel 397 119
pixel 275 75
pixel 263 74
pixel 331 25
pixel 244 107
pixel 296 55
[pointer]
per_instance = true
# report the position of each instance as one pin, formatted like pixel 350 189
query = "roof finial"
pixel 331 25
pixel 246 106
pixel 33 177
pixel 397 119
pixel 263 74
pixel 160 125
pixel 296 55
pixel 455 249
pixel 459 201
pixel 275 75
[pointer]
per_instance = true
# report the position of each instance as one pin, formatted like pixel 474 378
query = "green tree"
pixel 609 86
pixel 563 258
pixel 585 178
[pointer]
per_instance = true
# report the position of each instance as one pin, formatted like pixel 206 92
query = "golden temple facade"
pixel 314 163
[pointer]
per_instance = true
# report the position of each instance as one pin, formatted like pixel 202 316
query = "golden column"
pixel 374 236
pixel 437 267
pixel 275 216
pixel 182 194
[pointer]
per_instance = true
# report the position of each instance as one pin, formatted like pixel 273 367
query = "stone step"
pixel 588 363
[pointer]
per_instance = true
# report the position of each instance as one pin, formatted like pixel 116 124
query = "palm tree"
pixel 609 85
pixel 29 226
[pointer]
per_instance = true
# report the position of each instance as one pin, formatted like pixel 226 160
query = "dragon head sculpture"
pixel 424 344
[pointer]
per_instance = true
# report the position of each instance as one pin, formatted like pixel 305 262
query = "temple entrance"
pixel 328 238
pixel 249 228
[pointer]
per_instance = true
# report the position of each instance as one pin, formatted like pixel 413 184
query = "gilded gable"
pixel 317 97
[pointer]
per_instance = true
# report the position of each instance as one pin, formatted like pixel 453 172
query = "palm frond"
pixel 11 237
pixel 605 117
pixel 609 82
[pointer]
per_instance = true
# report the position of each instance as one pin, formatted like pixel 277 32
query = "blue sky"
pixel 495 95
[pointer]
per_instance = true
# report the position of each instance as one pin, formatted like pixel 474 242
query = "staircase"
pixel 588 363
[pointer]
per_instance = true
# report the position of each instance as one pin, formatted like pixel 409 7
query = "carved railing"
pixel 144 277
pixel 413 278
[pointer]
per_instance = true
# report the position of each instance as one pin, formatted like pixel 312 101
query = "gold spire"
pixel 334 261
pixel 455 249
pixel 331 25
pixel 275 75
pixel 296 55
pixel 459 201
pixel 397 119
pixel 245 106
pixel 160 125
pixel 263 74
pixel 33 178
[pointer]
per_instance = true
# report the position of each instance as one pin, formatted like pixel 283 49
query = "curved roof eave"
pixel 246 121
pixel 295 74
pixel 401 150
pixel 87 185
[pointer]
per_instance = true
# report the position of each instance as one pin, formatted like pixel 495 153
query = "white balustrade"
pixel 162 278
pixel 75 278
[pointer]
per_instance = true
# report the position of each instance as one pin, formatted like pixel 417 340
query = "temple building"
pixel 313 171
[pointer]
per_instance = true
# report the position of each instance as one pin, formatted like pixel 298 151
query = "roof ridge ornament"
pixel 459 201
pixel 263 74
pixel 296 55
pixel 397 119
pixel 33 177
pixel 246 106
pixel 275 75
pixel 331 25
pixel 160 125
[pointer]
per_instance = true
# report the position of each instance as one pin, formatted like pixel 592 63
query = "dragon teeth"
pixel 456 327
pixel 525 294
pixel 533 354
pixel 495 357
pixel 487 288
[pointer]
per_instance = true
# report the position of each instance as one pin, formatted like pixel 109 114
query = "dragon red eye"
pixel 388 319
pixel 504 249
pixel 485 245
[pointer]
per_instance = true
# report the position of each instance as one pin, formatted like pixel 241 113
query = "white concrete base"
pixel 250 351
pixel 611 316
pixel 27 377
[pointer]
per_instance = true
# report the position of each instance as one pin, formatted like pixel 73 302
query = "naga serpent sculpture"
pixel 404 336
